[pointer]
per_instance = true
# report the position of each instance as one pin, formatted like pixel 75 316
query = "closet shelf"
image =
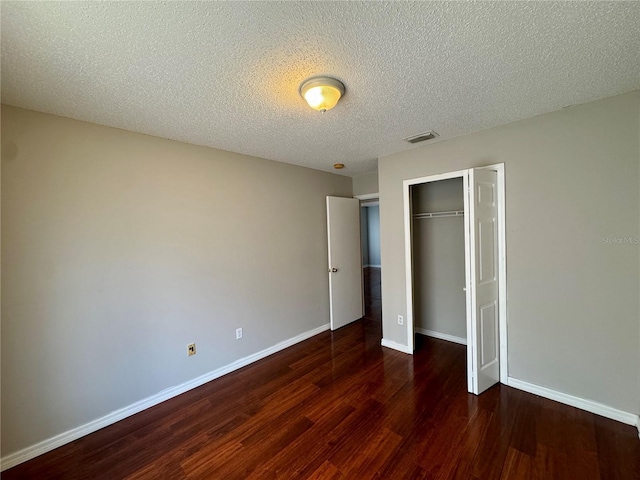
pixel 452 213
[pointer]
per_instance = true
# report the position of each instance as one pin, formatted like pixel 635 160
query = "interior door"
pixel 483 236
pixel 345 261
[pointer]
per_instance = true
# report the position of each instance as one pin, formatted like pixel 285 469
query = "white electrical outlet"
pixel 191 349
pixel 238 333
pixel 400 320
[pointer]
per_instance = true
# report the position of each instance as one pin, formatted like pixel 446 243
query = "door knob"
pixel 333 270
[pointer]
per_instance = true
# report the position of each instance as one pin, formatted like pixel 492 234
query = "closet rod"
pixel 452 213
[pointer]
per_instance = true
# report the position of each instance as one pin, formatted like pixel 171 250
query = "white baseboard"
pixel 581 403
pixel 49 444
pixel 441 336
pixel 396 346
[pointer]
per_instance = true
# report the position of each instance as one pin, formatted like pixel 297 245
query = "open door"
pixel 345 261
pixel 483 334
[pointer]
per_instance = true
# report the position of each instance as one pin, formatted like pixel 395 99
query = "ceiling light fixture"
pixel 322 93
pixel 338 166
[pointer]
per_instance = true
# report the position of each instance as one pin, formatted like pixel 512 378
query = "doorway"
pixel 371 265
pixel 483 213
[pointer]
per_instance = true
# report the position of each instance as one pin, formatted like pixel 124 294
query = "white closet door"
pixel 483 233
pixel 345 261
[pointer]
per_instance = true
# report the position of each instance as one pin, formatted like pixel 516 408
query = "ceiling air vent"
pixel 421 137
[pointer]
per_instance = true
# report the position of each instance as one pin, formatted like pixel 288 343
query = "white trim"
pixel 49 444
pixel 396 346
pixel 441 336
pixel 435 178
pixel 369 203
pixel 468 285
pixel 581 403
pixel 367 196
pixel 408 259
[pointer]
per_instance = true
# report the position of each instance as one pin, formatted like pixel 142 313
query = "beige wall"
pixel 367 183
pixel 119 249
pixel 572 182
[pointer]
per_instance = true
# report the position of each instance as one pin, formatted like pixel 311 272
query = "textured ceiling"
pixel 226 75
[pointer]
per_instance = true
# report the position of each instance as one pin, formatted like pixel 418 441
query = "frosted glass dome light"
pixel 322 93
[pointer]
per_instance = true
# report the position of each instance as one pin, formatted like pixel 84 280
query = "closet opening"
pixel 439 301
pixel 455 252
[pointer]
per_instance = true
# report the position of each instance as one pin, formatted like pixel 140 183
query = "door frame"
pixel 368 196
pixel 502 261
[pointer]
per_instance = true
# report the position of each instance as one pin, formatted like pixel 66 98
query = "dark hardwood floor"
pixel 338 406
pixel 372 294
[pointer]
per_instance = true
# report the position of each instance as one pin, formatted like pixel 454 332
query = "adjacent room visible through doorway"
pixel 371 265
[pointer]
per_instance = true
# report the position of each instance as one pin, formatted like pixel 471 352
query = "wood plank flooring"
pixel 372 293
pixel 338 406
